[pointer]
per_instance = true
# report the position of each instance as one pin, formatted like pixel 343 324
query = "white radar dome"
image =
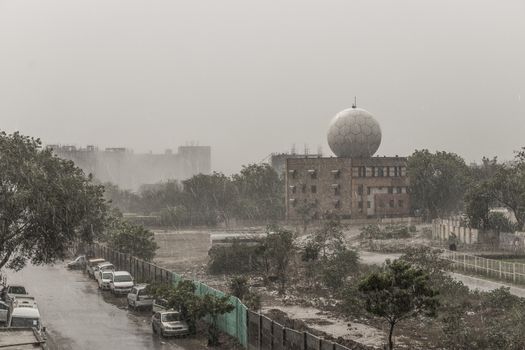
pixel 354 133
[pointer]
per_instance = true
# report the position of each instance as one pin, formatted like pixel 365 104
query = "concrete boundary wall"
pixel 443 229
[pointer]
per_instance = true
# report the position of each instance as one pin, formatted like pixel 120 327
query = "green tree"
pixel 238 286
pixel 260 192
pixel 397 292
pixel 338 266
pixel 214 306
pixel 330 235
pixel 437 182
pixel 278 249
pixel 210 198
pixel 131 239
pixel 307 212
pixel 46 203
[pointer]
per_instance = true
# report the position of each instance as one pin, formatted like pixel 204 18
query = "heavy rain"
pixel 264 175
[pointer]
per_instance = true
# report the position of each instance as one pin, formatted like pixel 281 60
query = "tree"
pixel 238 286
pixel 209 198
pixel 397 292
pixel 330 235
pixel 437 182
pixel 214 306
pixel 506 187
pixel 46 203
pixel 260 193
pixel 338 266
pixel 131 239
pixel 278 249
pixel 307 213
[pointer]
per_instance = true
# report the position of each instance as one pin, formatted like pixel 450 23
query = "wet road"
pixel 79 316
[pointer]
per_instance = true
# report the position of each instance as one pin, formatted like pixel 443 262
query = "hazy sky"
pixel 254 77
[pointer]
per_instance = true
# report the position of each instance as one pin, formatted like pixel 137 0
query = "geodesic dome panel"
pixel 354 133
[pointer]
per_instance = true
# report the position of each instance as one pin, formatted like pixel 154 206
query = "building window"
pixel 400 203
pixel 293 189
pixel 388 171
pixel 303 188
pixel 313 189
pixel 399 190
pixel 373 171
pixel 361 171
pixel 293 173
pixel 395 171
pixel 360 190
pixel 360 205
pixel 391 203
pixel 369 190
pixel 293 202
pixel 380 172
pixel 336 173
pixel 337 191
pixel 313 173
pixel 368 204
pixel 390 190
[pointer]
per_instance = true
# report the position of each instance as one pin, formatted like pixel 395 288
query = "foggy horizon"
pixel 250 79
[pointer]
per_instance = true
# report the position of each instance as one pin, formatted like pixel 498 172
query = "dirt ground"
pixel 186 252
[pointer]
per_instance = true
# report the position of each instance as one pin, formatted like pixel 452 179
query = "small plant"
pixel 239 286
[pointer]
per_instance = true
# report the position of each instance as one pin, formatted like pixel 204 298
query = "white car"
pixel 121 282
pixel 138 297
pixel 105 266
pixel 103 279
pixel 26 317
pixel 91 264
pixel 11 292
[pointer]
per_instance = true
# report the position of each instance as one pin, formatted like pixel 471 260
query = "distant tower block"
pixel 354 133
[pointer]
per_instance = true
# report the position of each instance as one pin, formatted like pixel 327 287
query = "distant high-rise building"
pixel 129 170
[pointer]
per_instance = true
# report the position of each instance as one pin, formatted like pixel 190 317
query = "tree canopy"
pixel 438 182
pixel 46 203
pixel 397 292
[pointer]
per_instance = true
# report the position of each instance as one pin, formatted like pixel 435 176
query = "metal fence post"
pixel 305 341
pixel 259 338
pixel 514 272
pixel 499 262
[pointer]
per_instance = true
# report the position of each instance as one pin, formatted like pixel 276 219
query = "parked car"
pixel 4 312
pixel 78 263
pixel 169 323
pixel 11 292
pixel 159 305
pixel 103 279
pixel 120 283
pixel 91 265
pixel 26 317
pixel 105 266
pixel 24 301
pixel 138 297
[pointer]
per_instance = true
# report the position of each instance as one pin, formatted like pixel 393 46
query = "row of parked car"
pixel 166 322
pixel 18 309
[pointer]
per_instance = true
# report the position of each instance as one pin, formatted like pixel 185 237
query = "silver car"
pixel 138 297
pixel 169 323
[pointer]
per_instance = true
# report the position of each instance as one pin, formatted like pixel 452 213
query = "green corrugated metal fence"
pixel 233 323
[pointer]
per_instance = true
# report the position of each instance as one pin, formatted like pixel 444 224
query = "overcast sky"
pixel 254 77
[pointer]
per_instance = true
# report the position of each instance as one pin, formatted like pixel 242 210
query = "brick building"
pixel 354 184
pixel 350 187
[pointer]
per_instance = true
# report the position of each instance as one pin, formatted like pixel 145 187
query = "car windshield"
pixel 170 317
pixel 24 322
pixel 17 290
pixel 122 278
pixel 106 275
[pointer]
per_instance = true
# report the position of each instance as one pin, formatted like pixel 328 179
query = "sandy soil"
pixel 337 327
